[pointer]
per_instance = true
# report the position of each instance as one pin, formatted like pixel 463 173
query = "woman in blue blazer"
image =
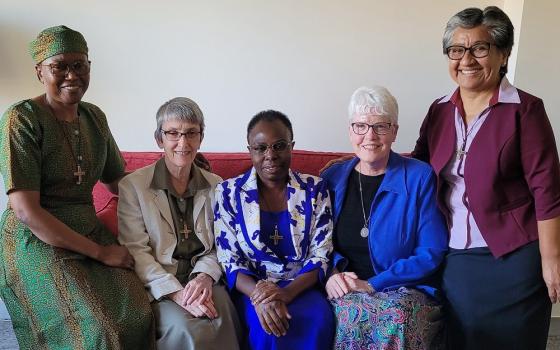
pixel 389 237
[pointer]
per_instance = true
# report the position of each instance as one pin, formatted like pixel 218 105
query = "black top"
pixel 347 239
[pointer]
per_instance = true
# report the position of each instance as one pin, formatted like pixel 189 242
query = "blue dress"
pixel 245 245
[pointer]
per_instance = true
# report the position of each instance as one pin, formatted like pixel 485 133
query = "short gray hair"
pixel 495 20
pixel 180 108
pixel 375 100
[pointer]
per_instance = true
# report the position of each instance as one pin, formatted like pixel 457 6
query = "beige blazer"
pixel 146 229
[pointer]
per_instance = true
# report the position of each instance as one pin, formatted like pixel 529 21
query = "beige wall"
pixel 538 71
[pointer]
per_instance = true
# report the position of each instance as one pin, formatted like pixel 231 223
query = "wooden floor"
pixel 8 339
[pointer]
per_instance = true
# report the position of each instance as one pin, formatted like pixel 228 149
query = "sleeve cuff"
pixel 231 277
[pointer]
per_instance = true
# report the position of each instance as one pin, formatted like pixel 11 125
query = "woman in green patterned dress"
pixel 66 282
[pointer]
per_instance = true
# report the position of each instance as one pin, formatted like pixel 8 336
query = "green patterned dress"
pixel 58 299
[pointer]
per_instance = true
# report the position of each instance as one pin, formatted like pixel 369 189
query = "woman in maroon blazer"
pixel 493 150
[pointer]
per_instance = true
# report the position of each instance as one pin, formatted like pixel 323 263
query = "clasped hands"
pixel 270 302
pixel 342 283
pixel 196 297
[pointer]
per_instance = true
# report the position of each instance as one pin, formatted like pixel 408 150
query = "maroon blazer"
pixel 512 174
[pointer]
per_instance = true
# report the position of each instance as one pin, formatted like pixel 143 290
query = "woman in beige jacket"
pixel 166 222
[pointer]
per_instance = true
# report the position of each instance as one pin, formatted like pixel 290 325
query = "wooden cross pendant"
pixel 185 231
pixel 461 152
pixel 276 237
pixel 79 173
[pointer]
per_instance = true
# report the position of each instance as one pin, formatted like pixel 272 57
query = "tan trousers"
pixel 177 329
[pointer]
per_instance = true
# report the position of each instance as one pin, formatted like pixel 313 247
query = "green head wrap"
pixel 56 40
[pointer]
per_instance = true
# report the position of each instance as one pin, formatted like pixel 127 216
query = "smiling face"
pixel 271 166
pixel 476 74
pixel 371 148
pixel 179 154
pixel 68 89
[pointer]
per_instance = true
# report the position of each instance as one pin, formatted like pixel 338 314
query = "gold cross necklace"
pixel 185 231
pixel 276 237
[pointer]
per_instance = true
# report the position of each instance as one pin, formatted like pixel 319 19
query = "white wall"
pixel 236 58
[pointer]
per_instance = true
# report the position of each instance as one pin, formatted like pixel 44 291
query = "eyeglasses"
pixel 456 52
pixel 174 135
pixel 276 147
pixel 378 128
pixel 61 69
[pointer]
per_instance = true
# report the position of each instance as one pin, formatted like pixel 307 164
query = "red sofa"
pixel 226 165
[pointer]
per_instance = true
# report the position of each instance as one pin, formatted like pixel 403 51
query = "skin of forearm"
pixel 301 283
pixel 49 229
pixel 549 237
pixel 245 284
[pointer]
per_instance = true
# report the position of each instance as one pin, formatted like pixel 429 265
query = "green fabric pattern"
pixel 59 299
pixel 56 40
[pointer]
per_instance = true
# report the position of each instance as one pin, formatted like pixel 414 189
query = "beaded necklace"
pixel 79 173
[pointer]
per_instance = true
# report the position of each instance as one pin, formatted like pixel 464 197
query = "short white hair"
pixel 375 100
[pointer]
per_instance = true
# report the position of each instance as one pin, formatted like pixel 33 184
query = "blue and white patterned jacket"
pixel 237 227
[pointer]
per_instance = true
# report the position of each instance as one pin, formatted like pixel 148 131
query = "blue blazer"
pixel 408 236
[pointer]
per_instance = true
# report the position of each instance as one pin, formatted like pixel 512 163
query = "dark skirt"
pixel 496 303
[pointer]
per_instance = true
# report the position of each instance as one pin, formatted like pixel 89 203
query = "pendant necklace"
pixel 79 173
pixel 461 152
pixel 364 232
pixel 276 237
pixel 185 231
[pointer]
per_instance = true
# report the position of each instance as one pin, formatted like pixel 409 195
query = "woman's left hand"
pixel 274 317
pixel 549 246
pixel 203 309
pixel 198 289
pixel 551 276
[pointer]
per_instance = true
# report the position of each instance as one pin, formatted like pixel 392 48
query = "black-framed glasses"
pixel 174 135
pixel 381 128
pixel 277 147
pixel 61 69
pixel 478 50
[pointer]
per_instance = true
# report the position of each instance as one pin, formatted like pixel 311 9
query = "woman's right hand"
pixel 273 317
pixel 337 285
pixel 116 256
pixel 263 290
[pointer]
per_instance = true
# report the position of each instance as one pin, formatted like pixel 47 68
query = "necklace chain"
pixel 79 173
pixel 365 230
pixel 276 236
pixel 465 134
pixel 261 194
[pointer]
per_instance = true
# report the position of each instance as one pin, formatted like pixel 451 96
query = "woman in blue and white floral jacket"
pixel 273 236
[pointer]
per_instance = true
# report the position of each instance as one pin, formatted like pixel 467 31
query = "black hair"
pixel 270 116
